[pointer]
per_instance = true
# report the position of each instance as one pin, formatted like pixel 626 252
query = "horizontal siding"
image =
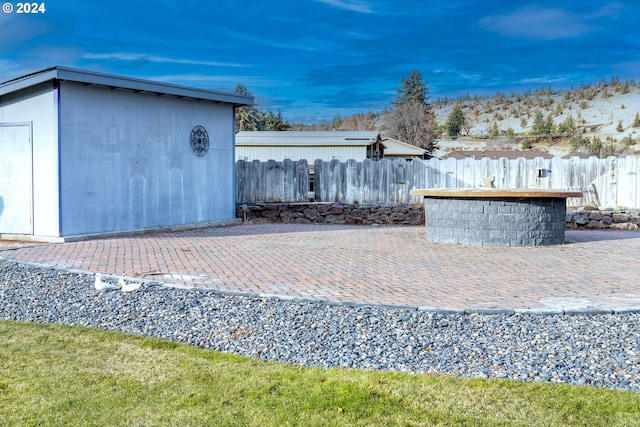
pixel 278 154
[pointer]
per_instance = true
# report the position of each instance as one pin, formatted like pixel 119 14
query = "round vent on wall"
pixel 199 140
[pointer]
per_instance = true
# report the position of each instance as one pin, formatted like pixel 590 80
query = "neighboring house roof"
pixel 579 155
pixel 305 138
pixel 138 85
pixel 393 147
pixel 477 155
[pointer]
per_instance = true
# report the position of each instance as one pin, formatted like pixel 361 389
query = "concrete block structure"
pixel 495 217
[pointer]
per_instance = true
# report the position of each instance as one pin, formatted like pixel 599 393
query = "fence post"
pixel 319 181
pixel 302 180
pixel 241 186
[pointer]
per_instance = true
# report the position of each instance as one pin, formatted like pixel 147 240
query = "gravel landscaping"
pixel 601 350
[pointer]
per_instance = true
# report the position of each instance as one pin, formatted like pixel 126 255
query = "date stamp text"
pixel 32 8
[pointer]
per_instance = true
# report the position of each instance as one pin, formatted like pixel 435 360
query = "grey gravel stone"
pixel 601 350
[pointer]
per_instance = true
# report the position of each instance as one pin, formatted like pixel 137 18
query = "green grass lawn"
pixel 57 375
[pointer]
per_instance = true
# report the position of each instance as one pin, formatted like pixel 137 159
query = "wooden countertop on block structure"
pixel 494 193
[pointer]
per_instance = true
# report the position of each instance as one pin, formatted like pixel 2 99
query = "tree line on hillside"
pixel 543 97
pixel 538 111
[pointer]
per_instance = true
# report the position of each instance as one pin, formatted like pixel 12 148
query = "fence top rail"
pixel 493 192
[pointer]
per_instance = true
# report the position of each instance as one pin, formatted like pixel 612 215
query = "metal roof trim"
pixel 109 80
pixel 299 143
pixel 309 134
pixel 305 138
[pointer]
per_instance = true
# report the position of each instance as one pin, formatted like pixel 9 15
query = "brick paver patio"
pixel 371 265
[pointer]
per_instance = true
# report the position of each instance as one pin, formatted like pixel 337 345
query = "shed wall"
pixel 38 106
pixel 127 163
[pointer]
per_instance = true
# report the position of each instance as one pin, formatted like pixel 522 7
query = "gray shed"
pixel 83 153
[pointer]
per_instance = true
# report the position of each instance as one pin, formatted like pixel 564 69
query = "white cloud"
pixel 16 30
pixel 473 77
pixel 211 80
pixel 544 80
pixel 299 44
pixel 12 69
pixel 353 5
pixel 539 23
pixel 160 59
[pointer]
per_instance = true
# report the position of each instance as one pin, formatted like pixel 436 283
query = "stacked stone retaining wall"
pixel 340 213
pixel 332 213
pixel 600 220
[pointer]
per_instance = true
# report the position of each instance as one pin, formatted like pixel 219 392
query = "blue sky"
pixel 315 59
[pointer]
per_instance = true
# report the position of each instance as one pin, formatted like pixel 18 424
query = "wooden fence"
pixel 612 182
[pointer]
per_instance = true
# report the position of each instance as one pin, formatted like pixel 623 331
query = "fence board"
pixel 612 182
pixel 627 181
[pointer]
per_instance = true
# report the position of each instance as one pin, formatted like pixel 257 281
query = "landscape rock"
pixel 334 213
pixel 591 206
pixel 270 213
pixel 595 215
pixel 592 349
pixel 618 218
pixel 581 218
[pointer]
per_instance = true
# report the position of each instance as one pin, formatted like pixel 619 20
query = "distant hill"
pixel 605 110
pixel 603 114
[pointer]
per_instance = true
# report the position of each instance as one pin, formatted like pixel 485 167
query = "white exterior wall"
pixel 38 106
pixel 311 153
pixel 127 163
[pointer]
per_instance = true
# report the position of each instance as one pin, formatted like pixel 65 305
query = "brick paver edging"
pixel 438 310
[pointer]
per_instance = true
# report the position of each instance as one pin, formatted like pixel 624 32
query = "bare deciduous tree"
pixel 412 122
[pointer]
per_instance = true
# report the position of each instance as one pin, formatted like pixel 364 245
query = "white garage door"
pixel 15 178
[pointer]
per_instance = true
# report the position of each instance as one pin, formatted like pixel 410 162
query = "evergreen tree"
pixel 455 121
pixel 274 122
pixel 619 128
pixel 523 122
pixel 538 127
pixel 281 124
pixel 511 134
pixel 247 116
pixel 636 121
pixel 337 122
pixel 568 126
pixel 494 130
pixel 575 144
pixel 549 125
pixel 413 89
pixel 251 118
pixel 596 146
